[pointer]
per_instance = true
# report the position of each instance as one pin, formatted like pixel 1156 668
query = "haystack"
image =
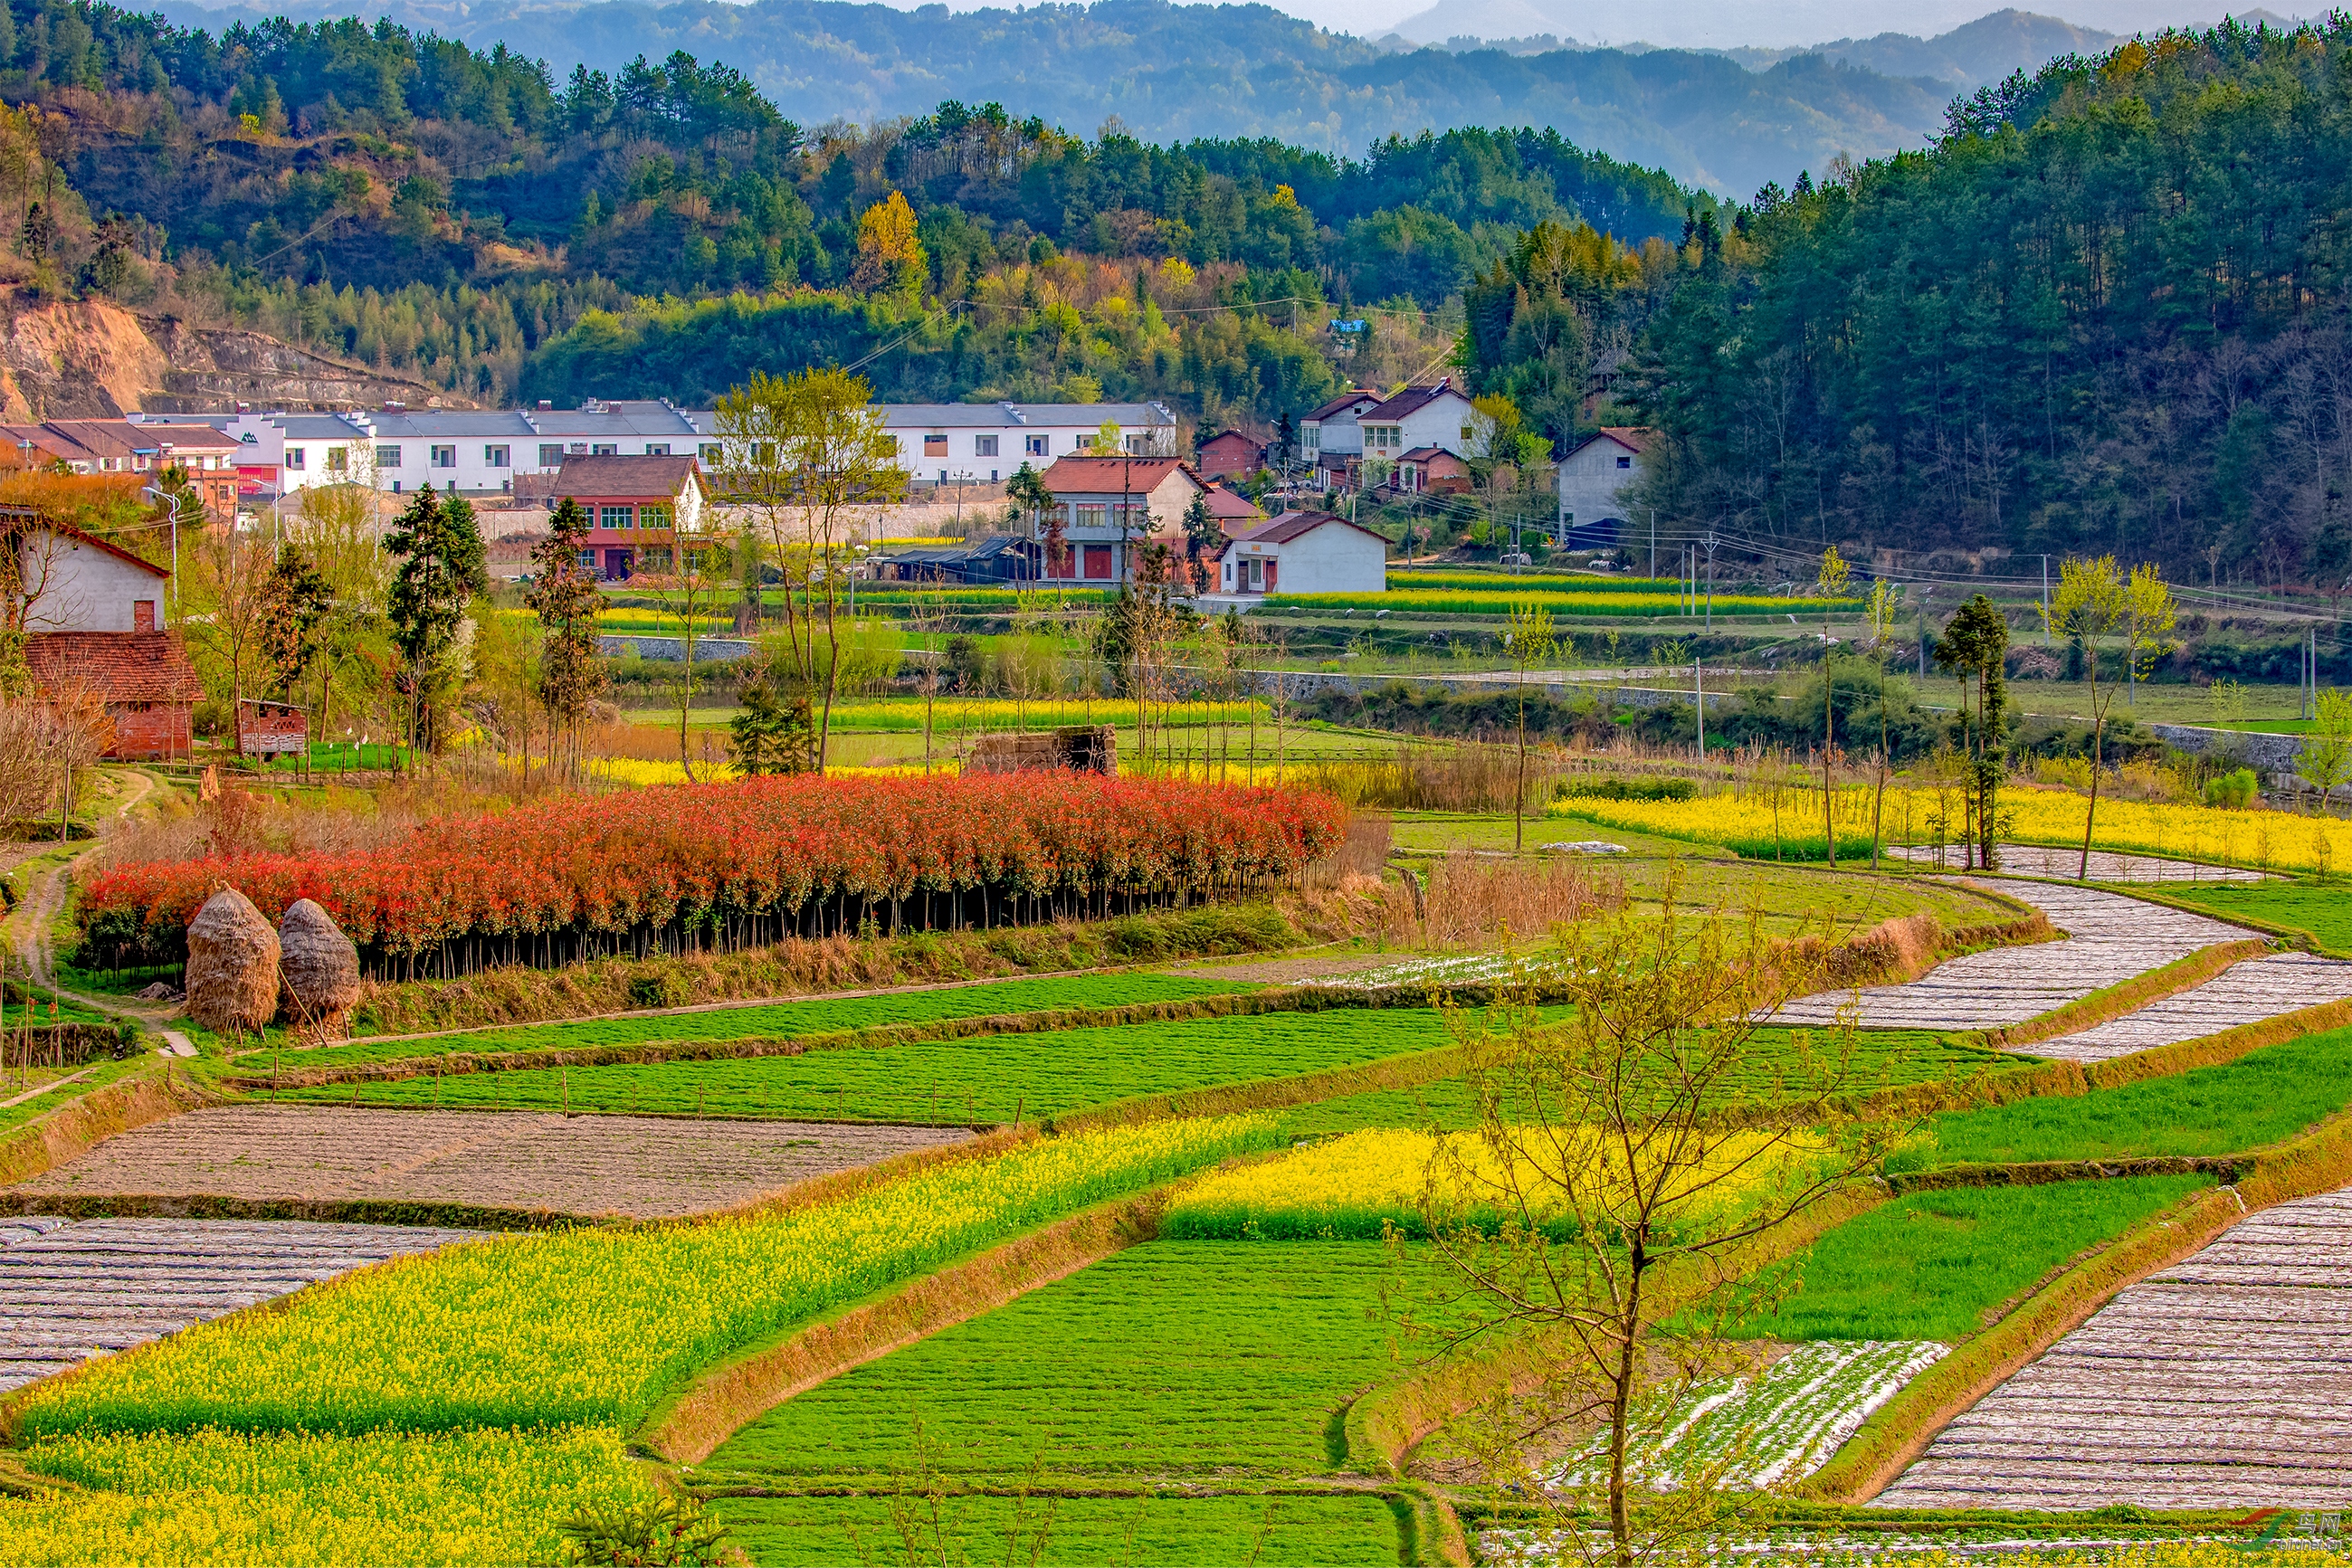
pixel 232 964
pixel 318 970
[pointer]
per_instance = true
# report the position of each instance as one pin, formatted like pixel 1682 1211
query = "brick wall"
pixel 160 730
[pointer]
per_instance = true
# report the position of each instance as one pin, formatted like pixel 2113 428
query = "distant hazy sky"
pixel 1727 24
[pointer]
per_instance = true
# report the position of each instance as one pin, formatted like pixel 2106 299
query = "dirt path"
pixel 36 922
pixel 646 1167
pixel 2106 866
pixel 2109 938
pixel 72 1289
pixel 2223 1381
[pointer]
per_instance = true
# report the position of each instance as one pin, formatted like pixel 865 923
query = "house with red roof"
pixel 639 508
pixel 1107 507
pixel 1305 552
pixel 94 620
pixel 1439 416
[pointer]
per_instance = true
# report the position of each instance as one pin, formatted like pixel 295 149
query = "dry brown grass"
pixel 332 820
pixel 1465 900
pixel 1464 778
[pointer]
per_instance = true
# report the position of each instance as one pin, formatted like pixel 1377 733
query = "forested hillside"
pixel 418 205
pixel 2108 312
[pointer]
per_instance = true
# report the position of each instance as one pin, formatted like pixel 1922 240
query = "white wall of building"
pixel 79 587
pixel 1332 559
pixel 1590 478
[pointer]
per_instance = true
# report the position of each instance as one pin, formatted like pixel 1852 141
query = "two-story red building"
pixel 636 505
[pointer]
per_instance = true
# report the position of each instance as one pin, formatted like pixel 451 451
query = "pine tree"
pixel 441 570
pixel 562 594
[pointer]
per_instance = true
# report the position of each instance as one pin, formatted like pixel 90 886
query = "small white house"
pixel 1593 477
pixel 1331 437
pixel 1438 416
pixel 1305 552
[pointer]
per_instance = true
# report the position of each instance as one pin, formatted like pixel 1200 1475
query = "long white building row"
pixel 398 449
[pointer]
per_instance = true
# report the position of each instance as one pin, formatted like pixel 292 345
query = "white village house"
pixel 1593 478
pixel 1438 416
pixel 483 452
pixel 1304 552
pixel 1332 436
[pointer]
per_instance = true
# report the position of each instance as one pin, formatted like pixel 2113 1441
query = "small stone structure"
pixel 232 965
pixel 318 970
pixel 1081 748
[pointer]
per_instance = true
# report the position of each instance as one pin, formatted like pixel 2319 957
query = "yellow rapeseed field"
pixel 1354 1185
pixel 587 1327
pixel 1748 821
pixel 211 1497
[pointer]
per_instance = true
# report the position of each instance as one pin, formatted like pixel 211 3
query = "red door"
pixel 1269 574
pixel 1098 561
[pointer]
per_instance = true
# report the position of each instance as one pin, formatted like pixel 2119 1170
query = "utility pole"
pixel 2045 600
pixel 1711 543
pixel 1653 541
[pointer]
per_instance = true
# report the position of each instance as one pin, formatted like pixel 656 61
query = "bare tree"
pixel 1621 1193
pixel 801 455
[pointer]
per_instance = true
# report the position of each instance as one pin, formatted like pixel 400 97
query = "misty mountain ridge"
pixel 1727 122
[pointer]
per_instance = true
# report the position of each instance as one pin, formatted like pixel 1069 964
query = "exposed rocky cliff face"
pixel 91 359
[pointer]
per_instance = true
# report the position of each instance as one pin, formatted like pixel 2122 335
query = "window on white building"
pixel 708 452
pixel 339 459
pixel 984 447
pixel 551 456
pixel 1624 462
pixel 498 457
pixel 605 449
pixel 656 448
pixel 296 457
pixel 387 456
pixel 1039 445
pixel 445 458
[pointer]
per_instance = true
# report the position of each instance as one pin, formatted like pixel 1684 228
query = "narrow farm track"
pixel 2106 866
pixel 2223 1382
pixel 2243 994
pixel 2109 939
pixel 72 1289
pixel 642 1168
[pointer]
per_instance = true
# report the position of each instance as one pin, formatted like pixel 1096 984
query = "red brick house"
pixel 149 689
pixel 1430 471
pixel 636 505
pixel 1231 456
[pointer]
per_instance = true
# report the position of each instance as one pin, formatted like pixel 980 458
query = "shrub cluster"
pixel 712 852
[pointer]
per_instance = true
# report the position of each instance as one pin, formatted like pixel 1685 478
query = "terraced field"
pixel 2263 1097
pixel 973 1082
pixel 1171 1366
pixel 642 1168
pixel 815 1014
pixel 2109 939
pixel 2242 994
pixel 2222 1381
pixel 72 1289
